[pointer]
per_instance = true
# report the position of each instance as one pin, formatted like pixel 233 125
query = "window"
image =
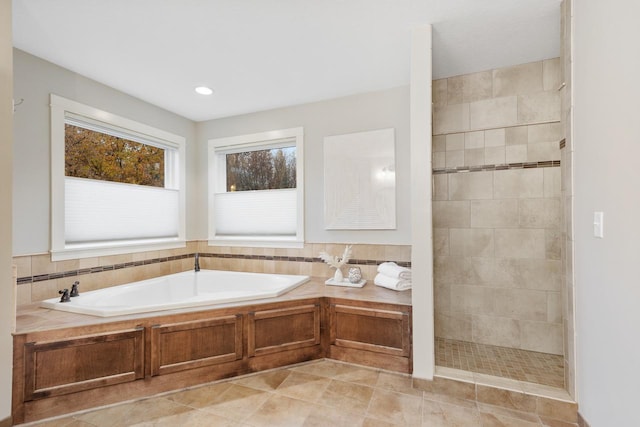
pixel 117 185
pixel 256 189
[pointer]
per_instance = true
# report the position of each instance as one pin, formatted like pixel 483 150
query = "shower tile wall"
pixel 497 209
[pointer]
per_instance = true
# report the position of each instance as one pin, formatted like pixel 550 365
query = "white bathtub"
pixel 180 290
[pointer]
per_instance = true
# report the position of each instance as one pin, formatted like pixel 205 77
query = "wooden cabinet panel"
pixel 67 366
pixel 187 345
pixel 283 329
pixel 370 329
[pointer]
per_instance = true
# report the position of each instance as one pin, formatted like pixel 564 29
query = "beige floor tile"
pixel 374 422
pixel 63 422
pixel 396 408
pixel 432 414
pixel 322 416
pixel 300 385
pixel 281 411
pixel 325 368
pixel 362 376
pixel 201 396
pixel 194 418
pixel 509 413
pixel 443 398
pixel 349 396
pixel 397 383
pixel 458 416
pixel 492 420
pixel 267 381
pixel 237 402
pixel 133 413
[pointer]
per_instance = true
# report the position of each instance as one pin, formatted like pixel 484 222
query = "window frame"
pixel 60 109
pixel 218 147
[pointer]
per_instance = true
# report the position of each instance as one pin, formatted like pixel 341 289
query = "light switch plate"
pixel 598 224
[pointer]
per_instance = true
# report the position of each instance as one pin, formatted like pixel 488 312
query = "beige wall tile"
pixel 541 274
pixel 552 180
pixel 474 139
pixel 477 86
pixel 518 80
pixel 451 214
pixel 450 118
pixel 454 158
pixel 521 304
pixel 541 336
pixel 23 263
pixel 441 241
pixel 495 155
pixel 451 270
pixel 539 213
pixel 471 186
pixel 517 135
pixel 539 107
pixel 23 294
pixel 518 183
pixel 453 326
pixel 454 90
pixel 45 289
pixel 439 143
pixel 439 92
pixel 543 151
pixel 520 243
pixel 553 240
pixel 494 213
pixel 495 137
pixel 545 132
pixel 472 299
pixel 439 160
pixel 440 187
pixel 551 76
pixel 516 153
pixel 496 331
pixel 471 242
pixel 494 113
pixel 397 253
pixel 474 157
pixel 442 297
pixel 554 307
pixel 454 141
pixel 41 264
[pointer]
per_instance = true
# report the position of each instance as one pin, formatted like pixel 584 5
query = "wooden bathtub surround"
pixel 65 362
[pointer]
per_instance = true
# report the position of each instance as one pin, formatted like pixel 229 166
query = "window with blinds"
pixel 256 187
pixel 117 184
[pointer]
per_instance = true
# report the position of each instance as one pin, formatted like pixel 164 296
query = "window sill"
pixel 94 250
pixel 256 242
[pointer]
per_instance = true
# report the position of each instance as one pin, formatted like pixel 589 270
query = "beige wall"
pixel 7 300
pixel 497 268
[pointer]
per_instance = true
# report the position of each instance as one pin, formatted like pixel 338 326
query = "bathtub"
pixel 180 290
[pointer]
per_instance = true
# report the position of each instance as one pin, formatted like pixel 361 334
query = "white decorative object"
pixel 360 181
pixel 337 262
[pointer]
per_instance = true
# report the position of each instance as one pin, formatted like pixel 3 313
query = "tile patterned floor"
pixel 321 393
pixel 521 365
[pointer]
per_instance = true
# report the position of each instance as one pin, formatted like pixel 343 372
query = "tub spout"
pixel 197 262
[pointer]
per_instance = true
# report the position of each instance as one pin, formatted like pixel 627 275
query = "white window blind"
pixel 102 211
pixel 256 213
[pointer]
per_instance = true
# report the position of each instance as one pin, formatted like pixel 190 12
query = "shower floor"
pixel 521 365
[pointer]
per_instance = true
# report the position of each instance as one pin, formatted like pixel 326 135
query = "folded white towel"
pixel 394 283
pixel 392 269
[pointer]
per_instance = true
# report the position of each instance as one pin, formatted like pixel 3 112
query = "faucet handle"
pixel 65 295
pixel 74 289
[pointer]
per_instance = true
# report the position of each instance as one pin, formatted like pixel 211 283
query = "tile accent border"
pixel 73 273
pixel 506 166
pixel 563 143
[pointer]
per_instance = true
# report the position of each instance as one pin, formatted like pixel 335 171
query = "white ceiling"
pixel 264 54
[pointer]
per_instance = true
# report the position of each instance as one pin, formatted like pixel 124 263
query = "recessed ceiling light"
pixel 203 90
